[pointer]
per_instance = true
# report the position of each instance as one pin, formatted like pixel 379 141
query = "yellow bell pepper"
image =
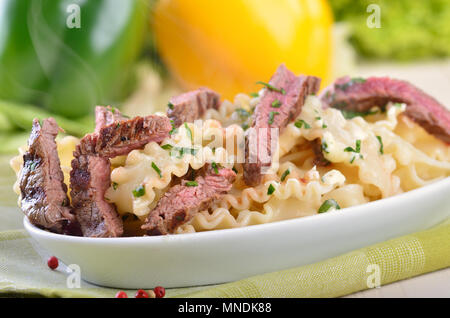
pixel 228 45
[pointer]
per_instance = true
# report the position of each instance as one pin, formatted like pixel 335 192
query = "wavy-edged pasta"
pixel 371 158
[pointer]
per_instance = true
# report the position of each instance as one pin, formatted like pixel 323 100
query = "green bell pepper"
pixel 69 70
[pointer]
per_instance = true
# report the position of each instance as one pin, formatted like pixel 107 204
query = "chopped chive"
pixel 253 94
pixel 276 103
pixel 299 123
pixel 272 116
pixel 349 114
pixel 33 165
pixel 215 167
pixel 155 167
pixel 272 88
pixel 167 147
pixel 285 174
pixel 329 204
pixel 348 84
pixel 118 125
pixel 353 159
pixel 174 129
pixel 191 183
pixel 381 144
pixel 115 185
pixel 189 132
pixel 318 118
pixel 324 126
pixel 139 191
pixel 235 170
pixel 181 151
pixel 358 147
pixel 270 190
pixel 170 105
pixel 325 146
pixel 244 126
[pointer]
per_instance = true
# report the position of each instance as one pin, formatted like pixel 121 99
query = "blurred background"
pixel 61 58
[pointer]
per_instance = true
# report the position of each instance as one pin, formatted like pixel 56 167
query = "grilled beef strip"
pixel 105 116
pixel 288 93
pixel 90 175
pixel 119 138
pixel 89 180
pixel 192 105
pixel 181 202
pixel 43 192
pixel 360 95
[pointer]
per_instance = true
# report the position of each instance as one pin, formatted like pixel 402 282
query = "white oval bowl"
pixel 228 255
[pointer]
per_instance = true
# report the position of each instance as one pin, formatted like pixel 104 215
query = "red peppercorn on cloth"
pixel 24 270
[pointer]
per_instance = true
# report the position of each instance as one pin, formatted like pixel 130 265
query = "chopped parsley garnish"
pixel 325 146
pixel 243 114
pixel 324 126
pixel 158 171
pixel 170 105
pixel 139 191
pixel 381 144
pixel 318 118
pixel 167 147
pixel 272 88
pixel 270 190
pixel 253 94
pixel 272 116
pixel 327 205
pixel 191 183
pixel 299 123
pixel 115 185
pixel 189 132
pixel 118 125
pixel 215 167
pixel 276 103
pixel 285 174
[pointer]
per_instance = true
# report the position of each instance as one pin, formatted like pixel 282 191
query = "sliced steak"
pixel 181 202
pixel 91 173
pixel 105 116
pixel 43 192
pixel 89 180
pixel 279 104
pixel 361 94
pixel 192 105
pixel 119 138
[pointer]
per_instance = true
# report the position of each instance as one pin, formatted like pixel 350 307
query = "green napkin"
pixel 23 270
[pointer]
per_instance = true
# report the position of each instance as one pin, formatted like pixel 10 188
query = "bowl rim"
pixel 30 228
